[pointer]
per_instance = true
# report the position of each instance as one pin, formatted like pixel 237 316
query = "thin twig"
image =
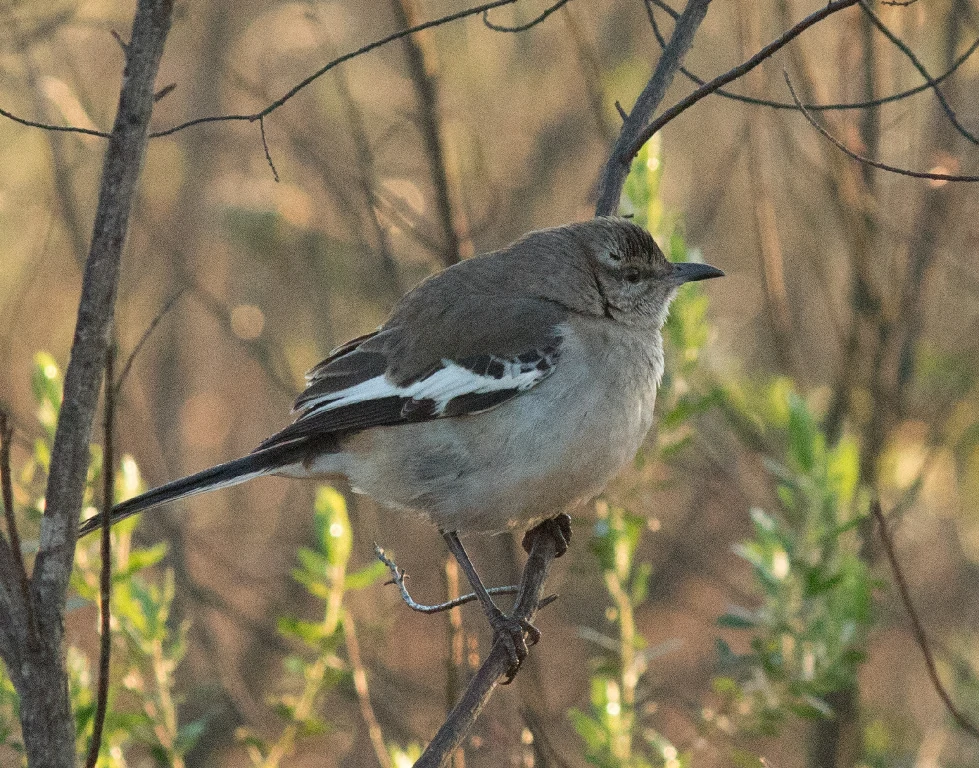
pixel 868 161
pixel 49 127
pixel 105 574
pixel 265 146
pixel 903 47
pixel 733 74
pixel 167 306
pixel 919 631
pixel 398 578
pixel 360 687
pixel 485 8
pixel 327 67
pixel 524 27
pixel 840 106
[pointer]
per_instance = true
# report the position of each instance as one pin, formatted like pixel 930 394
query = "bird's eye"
pixel 632 275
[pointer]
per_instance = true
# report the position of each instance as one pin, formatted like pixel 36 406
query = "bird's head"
pixel 631 280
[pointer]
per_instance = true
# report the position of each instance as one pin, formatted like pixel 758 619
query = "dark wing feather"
pixel 351 391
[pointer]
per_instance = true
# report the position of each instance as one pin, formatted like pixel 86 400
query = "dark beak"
pixel 688 272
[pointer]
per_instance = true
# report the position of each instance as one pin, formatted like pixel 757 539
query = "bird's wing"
pixel 358 387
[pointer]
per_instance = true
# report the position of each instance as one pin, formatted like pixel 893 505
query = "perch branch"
pixel 481 687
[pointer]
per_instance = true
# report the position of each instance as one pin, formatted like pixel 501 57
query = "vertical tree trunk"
pixel 37 662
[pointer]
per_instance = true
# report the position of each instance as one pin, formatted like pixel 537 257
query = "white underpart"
pixel 448 382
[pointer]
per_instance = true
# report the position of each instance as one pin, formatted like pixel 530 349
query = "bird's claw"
pixel 558 528
pixel 510 631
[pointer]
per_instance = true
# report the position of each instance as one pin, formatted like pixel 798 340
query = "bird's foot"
pixel 558 528
pixel 510 631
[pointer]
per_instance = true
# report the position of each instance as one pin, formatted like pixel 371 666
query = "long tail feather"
pixel 222 476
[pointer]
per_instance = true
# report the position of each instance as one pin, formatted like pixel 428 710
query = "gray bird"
pixel 504 390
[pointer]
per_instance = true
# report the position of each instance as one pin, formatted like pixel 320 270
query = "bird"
pixel 502 391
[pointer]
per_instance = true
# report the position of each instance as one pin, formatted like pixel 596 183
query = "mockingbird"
pixel 504 390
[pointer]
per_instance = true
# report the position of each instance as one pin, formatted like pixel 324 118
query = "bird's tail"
pixel 253 465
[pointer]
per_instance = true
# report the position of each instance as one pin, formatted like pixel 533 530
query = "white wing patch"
pixel 441 387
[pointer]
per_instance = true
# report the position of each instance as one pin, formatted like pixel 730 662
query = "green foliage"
pixel 146 648
pixel 311 673
pixel 612 730
pixel 808 635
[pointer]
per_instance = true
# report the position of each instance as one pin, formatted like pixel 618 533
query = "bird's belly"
pixel 535 456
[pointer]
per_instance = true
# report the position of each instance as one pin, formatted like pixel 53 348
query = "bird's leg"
pixel 507 629
pixel 558 528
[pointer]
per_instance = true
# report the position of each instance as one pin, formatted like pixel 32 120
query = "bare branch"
pixel 46 719
pixel 919 631
pixel 143 339
pixel 458 724
pixel 628 144
pixel 398 579
pixel 733 74
pixel 335 63
pixel 902 46
pixel 265 146
pixel 851 105
pixel 70 454
pixel 49 127
pixel 7 485
pixel 524 27
pixel 16 612
pixel 882 166
pixel 484 9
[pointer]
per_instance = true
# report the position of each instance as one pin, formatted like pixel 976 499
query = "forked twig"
pixel 398 578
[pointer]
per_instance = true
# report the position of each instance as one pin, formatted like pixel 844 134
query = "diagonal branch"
pixel 335 63
pixel 617 167
pixel 481 687
pixel 631 139
pixel 903 47
pixel 733 74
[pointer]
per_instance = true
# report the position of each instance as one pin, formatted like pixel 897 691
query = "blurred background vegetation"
pixel 727 599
